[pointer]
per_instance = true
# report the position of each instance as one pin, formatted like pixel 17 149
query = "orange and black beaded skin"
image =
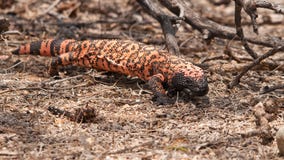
pixel 147 62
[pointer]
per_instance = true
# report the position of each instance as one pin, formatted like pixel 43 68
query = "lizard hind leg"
pixel 59 61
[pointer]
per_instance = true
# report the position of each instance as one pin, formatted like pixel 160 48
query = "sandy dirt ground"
pixel 110 116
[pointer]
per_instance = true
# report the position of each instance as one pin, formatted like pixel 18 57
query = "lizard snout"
pixel 200 88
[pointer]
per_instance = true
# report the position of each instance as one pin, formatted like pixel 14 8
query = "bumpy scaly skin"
pixel 147 62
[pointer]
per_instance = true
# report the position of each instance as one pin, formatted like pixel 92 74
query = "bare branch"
pixel 215 29
pixel 238 8
pixel 268 5
pixel 254 63
pixel 267 89
pixel 166 24
pixel 250 8
pixel 220 2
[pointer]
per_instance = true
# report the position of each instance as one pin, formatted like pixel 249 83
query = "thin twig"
pixel 271 89
pixel 127 149
pixel 250 8
pixel 239 29
pixel 142 90
pixel 268 5
pixel 20 89
pixel 43 88
pixel 220 2
pixel 49 8
pixel 8 153
pixel 64 79
pixel 13 66
pixel 228 52
pixel 165 22
pixel 11 32
pixel 271 52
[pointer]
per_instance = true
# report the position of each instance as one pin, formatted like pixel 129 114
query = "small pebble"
pixel 280 140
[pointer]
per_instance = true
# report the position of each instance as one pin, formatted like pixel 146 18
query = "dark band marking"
pixel 35 48
pixel 55 46
pixel 16 52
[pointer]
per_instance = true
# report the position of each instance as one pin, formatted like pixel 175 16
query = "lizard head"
pixel 191 80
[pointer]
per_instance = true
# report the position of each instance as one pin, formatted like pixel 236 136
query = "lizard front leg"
pixel 59 61
pixel 155 84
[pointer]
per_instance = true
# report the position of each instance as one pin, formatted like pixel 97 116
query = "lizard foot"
pixel 53 71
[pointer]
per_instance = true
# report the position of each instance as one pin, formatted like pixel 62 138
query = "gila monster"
pixel 160 69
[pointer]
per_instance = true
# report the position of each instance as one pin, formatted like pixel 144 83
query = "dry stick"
pixel 271 52
pixel 8 153
pixel 19 89
pixel 239 29
pixel 43 88
pixel 13 66
pixel 228 52
pixel 166 24
pixel 65 79
pixel 127 149
pixel 13 32
pixel 49 8
pixel 222 57
pixel 264 4
pixel 215 29
pixel 220 2
pixel 84 24
pixel 273 88
pixel 258 4
pixel 250 8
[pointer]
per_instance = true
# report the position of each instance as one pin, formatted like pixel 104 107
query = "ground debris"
pixel 82 115
pixel 264 113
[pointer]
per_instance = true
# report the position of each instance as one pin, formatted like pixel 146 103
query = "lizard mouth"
pixel 195 93
pixel 188 91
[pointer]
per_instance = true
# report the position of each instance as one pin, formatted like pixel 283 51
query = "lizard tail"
pixel 51 47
